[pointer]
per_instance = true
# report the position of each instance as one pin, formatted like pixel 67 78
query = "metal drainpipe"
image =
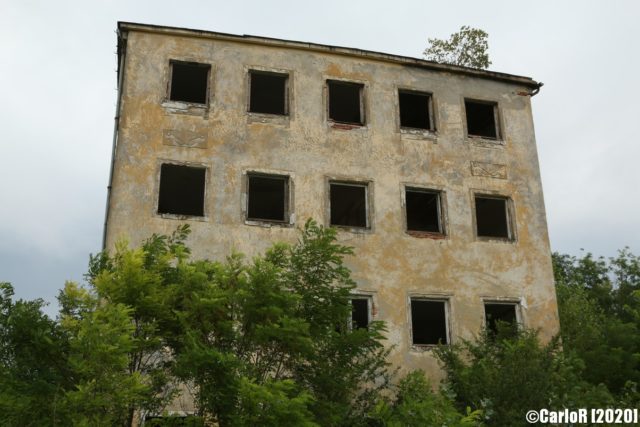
pixel 121 65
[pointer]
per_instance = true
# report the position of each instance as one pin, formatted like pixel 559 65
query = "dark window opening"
pixel 181 190
pixel 415 110
pixel 345 102
pixel 500 318
pixel 359 313
pixel 267 198
pixel 492 219
pixel 189 82
pixel 481 119
pixel 348 204
pixel 423 210
pixel 268 93
pixel 428 322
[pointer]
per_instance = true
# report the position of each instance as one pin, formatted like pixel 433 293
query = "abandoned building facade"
pixel 429 171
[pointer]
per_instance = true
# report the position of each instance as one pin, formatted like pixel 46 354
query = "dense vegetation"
pixel 266 342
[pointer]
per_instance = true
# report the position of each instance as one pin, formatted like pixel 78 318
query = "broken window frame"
pixel 369 300
pixel 193 64
pixel 496 119
pixel 342 124
pixel 288 202
pixel 509 212
pixel 287 92
pixel 515 302
pixel 447 319
pixel 367 197
pixel 166 215
pixel 430 112
pixel 440 207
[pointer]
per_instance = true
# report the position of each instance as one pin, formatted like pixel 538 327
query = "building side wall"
pixel 388 262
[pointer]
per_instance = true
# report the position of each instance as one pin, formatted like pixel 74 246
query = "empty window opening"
pixel 348 204
pixel 268 93
pixel 267 197
pixel 428 322
pixel 500 318
pixel 181 190
pixel 360 313
pixel 492 217
pixel 415 110
pixel 189 82
pixel 481 119
pixel 423 210
pixel 345 102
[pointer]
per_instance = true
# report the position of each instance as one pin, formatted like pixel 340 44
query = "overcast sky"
pixel 58 93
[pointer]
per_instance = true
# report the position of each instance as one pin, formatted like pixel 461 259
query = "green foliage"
pixel 117 331
pixel 416 404
pixel 599 309
pixel 33 364
pixel 101 340
pixel 272 333
pixel 509 374
pixel 468 47
pixel 345 369
pixel 266 342
pixel 273 404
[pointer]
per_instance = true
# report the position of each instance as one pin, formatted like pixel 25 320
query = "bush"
pixel 507 375
pixel 416 404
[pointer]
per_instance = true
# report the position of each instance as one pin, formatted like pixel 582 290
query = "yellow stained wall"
pixel 388 262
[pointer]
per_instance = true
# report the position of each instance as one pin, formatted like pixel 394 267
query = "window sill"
pixel 426 234
pixel 352 229
pixel 424 348
pixel 481 141
pixel 180 107
pixel 346 126
pixel 275 119
pixel 419 134
pixel 182 217
pixel 268 224
pixel 489 239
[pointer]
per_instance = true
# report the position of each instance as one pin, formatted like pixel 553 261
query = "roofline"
pixel 124 27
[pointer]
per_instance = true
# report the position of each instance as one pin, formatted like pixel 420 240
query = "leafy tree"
pixel 468 47
pixel 273 404
pixel 625 269
pixel 129 297
pixel 101 339
pixel 508 375
pixel 34 372
pixel 70 372
pixel 588 273
pixel 275 328
pixel 345 369
pixel 416 404
pixel 260 341
pixel 599 309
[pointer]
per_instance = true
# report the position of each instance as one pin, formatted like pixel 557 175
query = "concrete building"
pixel 430 171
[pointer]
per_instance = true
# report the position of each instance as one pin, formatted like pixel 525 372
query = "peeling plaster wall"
pixel 388 262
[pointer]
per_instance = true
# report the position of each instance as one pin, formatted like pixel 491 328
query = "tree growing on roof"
pixel 468 48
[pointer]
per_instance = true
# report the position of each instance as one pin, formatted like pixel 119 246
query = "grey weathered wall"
pixel 388 262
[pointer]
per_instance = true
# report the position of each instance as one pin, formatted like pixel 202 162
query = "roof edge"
pixel 124 26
